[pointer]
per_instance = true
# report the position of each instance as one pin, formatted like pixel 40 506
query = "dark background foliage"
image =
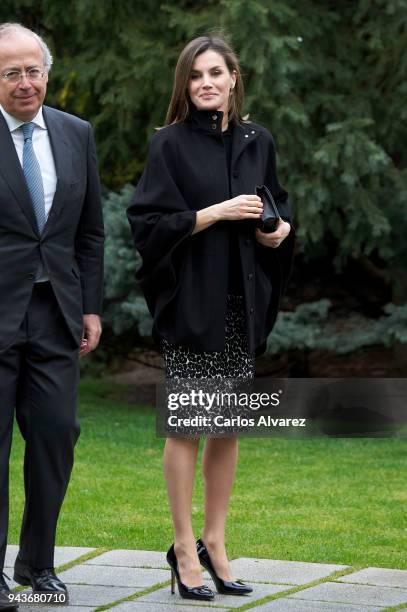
pixel 327 78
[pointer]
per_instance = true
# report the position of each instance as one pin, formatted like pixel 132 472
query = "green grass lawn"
pixel 322 500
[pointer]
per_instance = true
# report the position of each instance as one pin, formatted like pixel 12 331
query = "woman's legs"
pixel 219 468
pixel 179 470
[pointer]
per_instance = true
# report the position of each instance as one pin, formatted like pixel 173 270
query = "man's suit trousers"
pixel 39 374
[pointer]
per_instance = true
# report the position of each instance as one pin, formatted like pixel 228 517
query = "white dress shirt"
pixel 43 152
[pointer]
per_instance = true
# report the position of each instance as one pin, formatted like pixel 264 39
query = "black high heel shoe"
pixel 202 593
pixel 226 587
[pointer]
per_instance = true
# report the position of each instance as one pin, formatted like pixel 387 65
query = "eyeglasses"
pixel 14 76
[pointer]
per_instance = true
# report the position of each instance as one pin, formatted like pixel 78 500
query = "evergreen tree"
pixel 327 78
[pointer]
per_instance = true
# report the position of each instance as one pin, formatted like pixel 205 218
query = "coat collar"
pixel 12 172
pixel 59 145
pixel 207 121
pixel 14 123
pixel 210 122
pixel 63 161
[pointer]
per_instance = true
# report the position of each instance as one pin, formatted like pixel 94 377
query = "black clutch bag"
pixel 269 219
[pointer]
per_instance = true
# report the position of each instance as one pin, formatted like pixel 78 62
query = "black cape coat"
pixel 184 277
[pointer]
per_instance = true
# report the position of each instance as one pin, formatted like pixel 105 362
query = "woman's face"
pixel 210 82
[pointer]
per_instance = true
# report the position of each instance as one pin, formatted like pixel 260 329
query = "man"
pixel 51 272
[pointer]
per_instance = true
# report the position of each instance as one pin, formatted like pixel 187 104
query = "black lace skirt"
pixel 235 362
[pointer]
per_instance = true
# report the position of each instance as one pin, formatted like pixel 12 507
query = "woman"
pixel 212 281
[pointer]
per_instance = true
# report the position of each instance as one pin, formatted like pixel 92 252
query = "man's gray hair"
pixel 7 29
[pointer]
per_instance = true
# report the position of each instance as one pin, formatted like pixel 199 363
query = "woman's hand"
pixel 274 239
pixel 240 207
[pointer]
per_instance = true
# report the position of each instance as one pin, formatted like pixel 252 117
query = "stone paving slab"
pixel 354 594
pixel 90 596
pixel 131 558
pixel 281 572
pixel 142 606
pixel 63 554
pixel 131 571
pixel 290 605
pixel 378 576
pixel 9 571
pixel 11 554
pixel 164 596
pixel 116 576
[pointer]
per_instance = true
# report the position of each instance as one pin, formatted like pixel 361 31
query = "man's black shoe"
pixel 42 581
pixel 5 603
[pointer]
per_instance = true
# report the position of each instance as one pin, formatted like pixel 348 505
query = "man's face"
pixel 23 99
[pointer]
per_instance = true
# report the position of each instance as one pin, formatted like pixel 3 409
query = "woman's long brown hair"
pixel 180 103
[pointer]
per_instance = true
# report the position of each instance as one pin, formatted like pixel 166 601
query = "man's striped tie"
pixel 32 173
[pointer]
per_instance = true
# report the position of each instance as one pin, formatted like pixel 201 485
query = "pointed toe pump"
pixel 226 587
pixel 202 593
